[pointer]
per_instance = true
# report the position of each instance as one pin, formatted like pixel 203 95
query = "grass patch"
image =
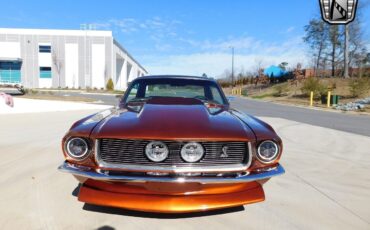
pixel 262 96
pixel 281 89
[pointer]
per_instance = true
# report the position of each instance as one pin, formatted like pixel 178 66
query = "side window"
pixel 216 95
pixel 133 92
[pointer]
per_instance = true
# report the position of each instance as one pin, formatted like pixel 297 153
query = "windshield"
pixel 143 89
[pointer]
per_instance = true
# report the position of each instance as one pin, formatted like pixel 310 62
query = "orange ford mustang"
pixel 173 145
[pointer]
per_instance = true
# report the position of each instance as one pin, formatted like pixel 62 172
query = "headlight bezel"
pixel 267 160
pixel 73 156
pixel 197 159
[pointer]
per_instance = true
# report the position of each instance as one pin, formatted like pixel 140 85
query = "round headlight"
pixel 192 152
pixel 77 148
pixel 156 151
pixel 267 151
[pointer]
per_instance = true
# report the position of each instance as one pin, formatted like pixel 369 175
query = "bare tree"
pixel 346 53
pixel 316 37
pixel 335 39
pixel 58 63
pixel 258 65
pixel 329 44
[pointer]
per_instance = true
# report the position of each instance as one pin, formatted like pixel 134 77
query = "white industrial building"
pixel 39 58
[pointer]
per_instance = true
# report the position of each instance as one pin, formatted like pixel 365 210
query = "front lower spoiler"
pixel 88 173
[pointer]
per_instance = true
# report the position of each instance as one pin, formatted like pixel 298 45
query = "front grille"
pixel 126 152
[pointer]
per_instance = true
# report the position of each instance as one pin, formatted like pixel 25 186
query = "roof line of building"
pixel 128 54
pixel 105 33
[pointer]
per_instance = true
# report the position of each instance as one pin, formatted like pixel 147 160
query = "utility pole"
pixel 232 67
pixel 346 51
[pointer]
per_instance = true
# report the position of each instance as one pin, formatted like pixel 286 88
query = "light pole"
pixel 232 67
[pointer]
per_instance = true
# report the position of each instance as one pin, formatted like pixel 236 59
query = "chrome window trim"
pixel 143 168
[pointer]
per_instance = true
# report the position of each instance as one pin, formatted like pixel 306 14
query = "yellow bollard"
pixel 329 96
pixel 240 91
pixel 311 99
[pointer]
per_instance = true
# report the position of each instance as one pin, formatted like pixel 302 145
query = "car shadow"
pixel 76 190
pixel 125 212
pixel 105 227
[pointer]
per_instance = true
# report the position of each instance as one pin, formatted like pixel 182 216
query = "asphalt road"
pixel 353 123
pixel 326 185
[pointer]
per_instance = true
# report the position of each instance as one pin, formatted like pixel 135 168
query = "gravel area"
pixel 352 106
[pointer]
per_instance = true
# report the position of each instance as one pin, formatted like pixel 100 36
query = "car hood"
pixel 173 122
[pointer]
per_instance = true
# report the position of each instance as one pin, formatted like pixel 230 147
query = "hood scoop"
pixel 137 106
pixel 166 119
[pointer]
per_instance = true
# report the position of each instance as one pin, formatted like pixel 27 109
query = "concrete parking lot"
pixel 326 185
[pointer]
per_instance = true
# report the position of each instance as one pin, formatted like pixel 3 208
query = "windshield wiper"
pixel 140 99
pixel 206 100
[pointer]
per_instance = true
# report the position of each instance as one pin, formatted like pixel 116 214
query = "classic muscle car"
pixel 173 144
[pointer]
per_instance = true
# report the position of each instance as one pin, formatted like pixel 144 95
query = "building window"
pixel 45 49
pixel 10 72
pixel 45 72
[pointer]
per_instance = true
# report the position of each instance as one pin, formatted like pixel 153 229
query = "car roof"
pixel 175 77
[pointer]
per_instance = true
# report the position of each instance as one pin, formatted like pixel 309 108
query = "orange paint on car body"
pixel 162 187
pixel 170 203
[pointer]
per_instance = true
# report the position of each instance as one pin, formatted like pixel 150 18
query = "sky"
pixel 186 36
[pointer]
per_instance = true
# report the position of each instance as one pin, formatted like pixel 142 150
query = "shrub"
pixel 280 90
pixel 359 87
pixel 33 91
pixel 313 84
pixel 26 91
pixel 110 85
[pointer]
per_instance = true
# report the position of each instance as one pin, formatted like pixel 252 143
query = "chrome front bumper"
pixel 90 174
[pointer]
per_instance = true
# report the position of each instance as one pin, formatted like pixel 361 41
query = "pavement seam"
pixel 330 198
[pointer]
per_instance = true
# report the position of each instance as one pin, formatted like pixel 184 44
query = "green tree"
pixel 283 65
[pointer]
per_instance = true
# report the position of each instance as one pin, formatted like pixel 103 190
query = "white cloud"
pixel 161 31
pixel 188 55
pixel 131 25
pixel 215 62
pixel 290 29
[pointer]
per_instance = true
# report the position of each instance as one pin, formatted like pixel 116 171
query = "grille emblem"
pixel 338 11
pixel 224 152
